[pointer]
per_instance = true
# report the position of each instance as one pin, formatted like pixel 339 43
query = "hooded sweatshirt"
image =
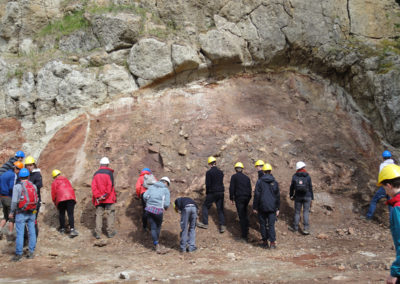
pixel 299 195
pixel 157 195
pixel 266 194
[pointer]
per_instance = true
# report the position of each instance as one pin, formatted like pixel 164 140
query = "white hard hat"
pixel 166 179
pixel 104 161
pixel 300 165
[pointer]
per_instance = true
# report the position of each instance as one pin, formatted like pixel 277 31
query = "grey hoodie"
pixel 157 195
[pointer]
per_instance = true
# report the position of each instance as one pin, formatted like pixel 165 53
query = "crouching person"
pixel 23 206
pixel 63 196
pixel 188 209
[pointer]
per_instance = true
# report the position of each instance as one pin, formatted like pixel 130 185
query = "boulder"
pixel 118 80
pixel 184 58
pixel 49 78
pixel 79 41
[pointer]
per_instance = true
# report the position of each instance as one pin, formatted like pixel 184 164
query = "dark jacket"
pixel 240 186
pixel 8 165
pixel 214 180
pixel 260 173
pixel 301 195
pixel 181 202
pixel 266 194
pixel 36 178
pixel 7 182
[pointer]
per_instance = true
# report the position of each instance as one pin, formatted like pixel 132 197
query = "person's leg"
pixel 206 206
pixel 375 199
pixel 306 212
pixel 32 232
pixel 263 228
pixel 297 209
pixel 99 219
pixel 159 219
pixel 20 228
pixel 144 214
pixel 192 228
pixel 70 204
pixel 5 213
pixel 61 214
pixel 219 201
pixel 271 226
pixel 110 213
pixel 153 227
pixel 241 207
pixel 184 228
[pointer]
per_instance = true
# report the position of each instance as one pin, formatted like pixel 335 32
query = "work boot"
pixel 73 233
pixel 202 225
pixel 272 245
pixel 112 234
pixel 222 229
pixel 265 245
pixel 290 228
pixel 97 235
pixel 16 258
pixel 157 248
pixel 30 255
pixel 306 232
pixel 61 231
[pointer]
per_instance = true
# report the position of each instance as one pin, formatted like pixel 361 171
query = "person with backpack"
pixel 259 164
pixel 36 178
pixel 266 205
pixel 214 193
pixel 145 179
pixel 104 198
pixel 240 195
pixel 188 209
pixel 301 192
pixel 63 196
pixel 9 165
pixel 7 183
pixel 23 207
pixel 157 199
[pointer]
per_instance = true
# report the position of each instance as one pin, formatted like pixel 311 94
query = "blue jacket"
pixel 395 229
pixel 7 181
pixel 157 195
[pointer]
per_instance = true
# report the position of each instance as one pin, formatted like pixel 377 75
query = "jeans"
pixel 188 227
pixel 155 221
pixel 304 202
pixel 67 205
pixel 109 211
pixel 218 198
pixel 20 220
pixel 241 206
pixel 267 225
pixel 381 193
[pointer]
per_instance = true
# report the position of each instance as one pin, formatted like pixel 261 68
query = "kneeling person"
pixel 188 209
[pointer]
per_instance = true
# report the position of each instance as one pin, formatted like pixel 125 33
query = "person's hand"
pixel 233 202
pixel 291 197
pixel 391 280
pixel 277 213
pixel 255 211
pixel 11 216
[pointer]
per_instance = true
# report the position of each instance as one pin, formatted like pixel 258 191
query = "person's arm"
pixel 310 188
pixel 208 181
pixel 256 198
pixel 53 192
pixel 167 199
pixel 232 188
pixel 139 183
pixel 14 199
pixel 291 193
pixel 278 198
pixel 39 182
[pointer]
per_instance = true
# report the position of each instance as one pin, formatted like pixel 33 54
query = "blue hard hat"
pixel 386 154
pixel 20 154
pixel 146 170
pixel 24 173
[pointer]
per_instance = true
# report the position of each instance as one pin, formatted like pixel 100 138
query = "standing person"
pixel 7 183
pixel 240 194
pixel 389 178
pixel 387 160
pixel 188 209
pixel 23 206
pixel 266 204
pixel 9 165
pixel 145 179
pixel 259 164
pixel 36 178
pixel 104 197
pixel 63 196
pixel 301 192
pixel 214 193
pixel 157 199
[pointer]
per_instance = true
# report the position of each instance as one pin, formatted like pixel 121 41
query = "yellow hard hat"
pixel 239 165
pixel 55 173
pixel 391 171
pixel 211 159
pixel 259 163
pixel 29 160
pixel 267 167
pixel 175 208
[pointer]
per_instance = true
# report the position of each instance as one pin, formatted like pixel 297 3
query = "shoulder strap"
pixel 26 194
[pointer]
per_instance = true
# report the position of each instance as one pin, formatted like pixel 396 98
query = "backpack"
pixel 300 184
pixel 29 198
pixel 148 180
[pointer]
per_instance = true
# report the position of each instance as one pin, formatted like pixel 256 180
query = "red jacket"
pixel 140 189
pixel 61 190
pixel 103 184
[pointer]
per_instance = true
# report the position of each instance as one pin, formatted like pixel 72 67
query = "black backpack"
pixel 300 184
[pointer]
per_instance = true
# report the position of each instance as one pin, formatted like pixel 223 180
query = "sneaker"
pixel 290 228
pixel 112 234
pixel 192 250
pixel 97 236
pixel 157 248
pixel 202 225
pixel 62 231
pixel 273 245
pixel 222 229
pixel 305 232
pixel 16 257
pixel 30 255
pixel 73 233
pixel 264 245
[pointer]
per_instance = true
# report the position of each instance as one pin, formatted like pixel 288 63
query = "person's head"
pixel 104 162
pixel 386 155
pixel 55 173
pixel 212 161
pixel 145 170
pixel 389 178
pixel 300 165
pixel 166 181
pixel 30 163
pixel 239 167
pixel 24 174
pixel 175 206
pixel 259 164
pixel 18 165
pixel 20 155
pixel 267 168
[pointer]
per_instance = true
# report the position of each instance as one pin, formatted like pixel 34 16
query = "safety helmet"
pixel 300 165
pixel 239 165
pixel 386 154
pixel 166 179
pixel 259 163
pixel 55 173
pixel 267 167
pixel 104 161
pixel 29 160
pixel 20 154
pixel 389 172
pixel 146 170
pixel 24 173
pixel 18 164
pixel 211 159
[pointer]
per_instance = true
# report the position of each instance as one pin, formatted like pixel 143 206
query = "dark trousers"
pixel 241 207
pixel 144 212
pixel 67 205
pixel 218 198
pixel 267 225
pixel 155 221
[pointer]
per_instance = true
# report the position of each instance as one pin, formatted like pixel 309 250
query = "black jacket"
pixel 181 202
pixel 266 194
pixel 214 180
pixel 240 186
pixel 8 165
pixel 301 195
pixel 260 173
pixel 36 178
